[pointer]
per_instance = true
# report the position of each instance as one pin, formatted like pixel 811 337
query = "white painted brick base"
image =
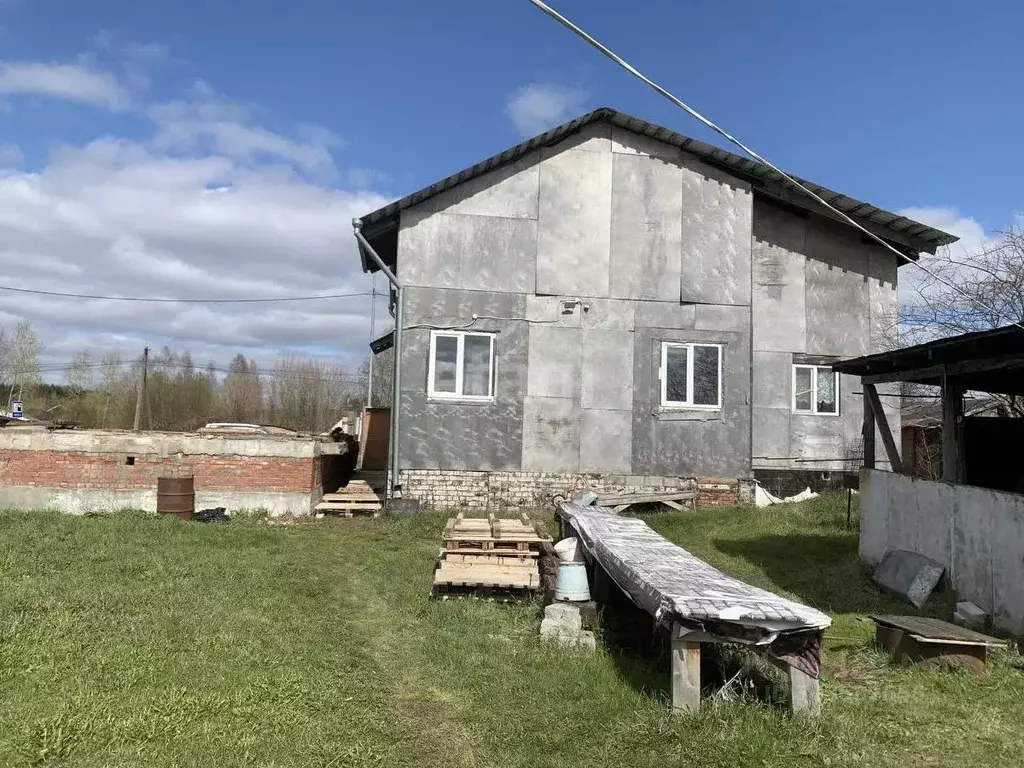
pixel 465 488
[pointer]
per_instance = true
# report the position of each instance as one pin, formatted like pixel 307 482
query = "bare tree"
pixel 242 392
pixel 78 377
pixel 989 293
pixel 5 358
pixel 24 357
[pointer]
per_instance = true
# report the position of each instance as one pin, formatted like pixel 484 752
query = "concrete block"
pixel 969 613
pixel 482 253
pixel 573 242
pixel 646 227
pixel 551 434
pixel 554 362
pixel 771 442
pixel 606 440
pixel 607 374
pixel 908 575
pixel 716 241
pixel 719 317
pixel 580 641
pixel 564 615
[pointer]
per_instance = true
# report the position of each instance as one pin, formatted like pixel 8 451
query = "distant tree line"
pixel 299 393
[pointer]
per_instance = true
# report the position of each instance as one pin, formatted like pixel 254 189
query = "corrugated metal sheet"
pixel 913 234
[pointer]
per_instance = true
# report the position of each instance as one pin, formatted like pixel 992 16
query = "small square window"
pixel 461 365
pixel 815 390
pixel 691 375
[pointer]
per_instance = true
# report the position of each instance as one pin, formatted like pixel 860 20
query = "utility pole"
pixel 142 392
pixel 373 317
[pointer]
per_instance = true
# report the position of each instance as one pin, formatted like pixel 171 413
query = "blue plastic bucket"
pixel 571 583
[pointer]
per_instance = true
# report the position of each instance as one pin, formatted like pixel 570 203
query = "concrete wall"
pixel 978 534
pixel 660 248
pixel 819 294
pixel 83 471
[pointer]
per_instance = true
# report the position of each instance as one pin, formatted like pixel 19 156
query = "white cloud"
pixel 538 107
pixel 212 204
pixel 73 82
pixel 973 239
pixel 209 117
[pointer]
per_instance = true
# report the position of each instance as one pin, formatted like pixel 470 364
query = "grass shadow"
pixel 824 571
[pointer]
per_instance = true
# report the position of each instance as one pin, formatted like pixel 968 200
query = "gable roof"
pixel 911 236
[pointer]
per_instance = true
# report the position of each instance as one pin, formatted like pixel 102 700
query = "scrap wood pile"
pixel 486 554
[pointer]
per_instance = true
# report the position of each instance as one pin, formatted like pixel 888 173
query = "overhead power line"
pixel 164 300
pixel 733 140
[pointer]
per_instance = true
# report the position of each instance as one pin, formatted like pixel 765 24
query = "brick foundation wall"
pixel 458 488
pixel 109 471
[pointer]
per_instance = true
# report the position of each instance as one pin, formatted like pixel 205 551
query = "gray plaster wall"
pixel 819 293
pixel 80 501
pixel 977 533
pixel 658 247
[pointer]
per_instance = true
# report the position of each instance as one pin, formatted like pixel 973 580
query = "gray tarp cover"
pixel 676 587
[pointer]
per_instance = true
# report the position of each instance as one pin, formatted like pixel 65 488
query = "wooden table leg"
pixel 685 673
pixel 804 693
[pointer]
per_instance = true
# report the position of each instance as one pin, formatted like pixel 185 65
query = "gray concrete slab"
pixel 658 314
pixel 717 216
pixel 551 434
pixel 778 279
pixel 771 443
pixel 590 138
pixel 607 372
pixel 773 377
pixel 509 192
pixel 628 143
pixel 719 317
pixel 883 301
pixel 573 242
pixel 605 440
pixel 836 292
pixel 646 227
pixel 608 314
pixel 547 310
pixel 555 356
pixel 486 253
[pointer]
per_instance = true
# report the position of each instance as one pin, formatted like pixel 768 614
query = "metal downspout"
pixel 394 485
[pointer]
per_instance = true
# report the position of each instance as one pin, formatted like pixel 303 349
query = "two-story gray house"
pixel 614 305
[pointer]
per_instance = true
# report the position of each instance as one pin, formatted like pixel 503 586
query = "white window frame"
pixel 459 366
pixel 813 410
pixel 662 373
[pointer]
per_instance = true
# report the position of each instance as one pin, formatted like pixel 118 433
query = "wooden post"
pixel 871 394
pixel 804 693
pixel 952 407
pixel 685 674
pixel 868 432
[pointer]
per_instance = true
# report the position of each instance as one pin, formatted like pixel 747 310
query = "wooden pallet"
pixel 349 504
pixel 496 535
pixel 484 575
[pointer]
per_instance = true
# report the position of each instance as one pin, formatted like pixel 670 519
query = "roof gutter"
pixel 394 482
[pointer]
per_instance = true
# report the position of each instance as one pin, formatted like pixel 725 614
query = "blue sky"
pixel 121 120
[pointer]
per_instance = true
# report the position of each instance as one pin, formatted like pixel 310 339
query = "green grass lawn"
pixel 137 641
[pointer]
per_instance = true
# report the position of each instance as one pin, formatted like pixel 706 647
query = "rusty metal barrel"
pixel 176 496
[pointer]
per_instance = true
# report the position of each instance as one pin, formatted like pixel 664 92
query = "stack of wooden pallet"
pixel 357 497
pixel 489 553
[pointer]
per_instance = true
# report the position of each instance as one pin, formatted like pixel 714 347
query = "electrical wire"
pixel 733 140
pixel 162 300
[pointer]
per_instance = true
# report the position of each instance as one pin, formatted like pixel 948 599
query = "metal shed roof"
pixel 914 236
pixel 984 361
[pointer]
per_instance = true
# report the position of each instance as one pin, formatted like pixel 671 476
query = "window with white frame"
pixel 691 375
pixel 815 390
pixel 461 365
